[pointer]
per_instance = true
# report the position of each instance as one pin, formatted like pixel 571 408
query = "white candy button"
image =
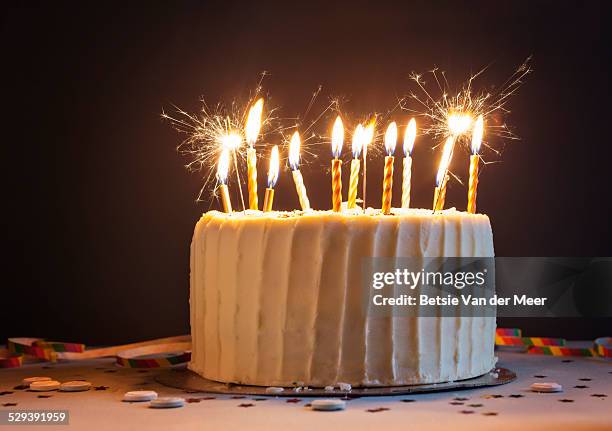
pixel 44 385
pixel 274 390
pixel 167 403
pixel 328 405
pixel 546 387
pixel 139 396
pixel 75 386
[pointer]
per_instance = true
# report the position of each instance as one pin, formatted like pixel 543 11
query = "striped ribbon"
pixel 175 350
pixel 602 347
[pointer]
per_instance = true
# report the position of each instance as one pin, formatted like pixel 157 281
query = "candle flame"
pixel 358 139
pixel 231 140
pixel 477 134
pixel 459 123
pixel 223 166
pixel 294 151
pixel 447 153
pixel 409 137
pixel 391 138
pixel 368 135
pixel 253 123
pixel 337 137
pixel 274 167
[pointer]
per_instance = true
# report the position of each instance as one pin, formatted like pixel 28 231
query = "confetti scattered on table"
pixel 516 396
pixel 456 403
pixel 377 410
pixel 581 386
pixel 294 400
pixel 237 397
pixel 461 399
pixel 585 379
pixel 540 376
pixel 566 361
pixel 475 405
pixel 466 412
pixel 489 413
pixel 246 405
pixel 408 400
pixel 45 396
pixel 260 399
pixel 6 392
pixel 101 388
pixel 9 404
pixel 565 400
pixel 599 395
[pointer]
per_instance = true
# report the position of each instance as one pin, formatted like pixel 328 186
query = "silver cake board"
pixel 185 379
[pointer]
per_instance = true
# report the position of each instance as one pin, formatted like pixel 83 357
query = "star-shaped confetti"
pixel 516 396
pixel 540 376
pixel 246 405
pixel 294 400
pixel 580 386
pixel 6 392
pixel 567 361
pixel 100 388
pixel 238 397
pixel 456 403
pixel 585 379
pixel 9 404
pixel 466 412
pixel 599 395
pixel 460 399
pixel 565 400
pixel 408 400
pixel 45 396
pixel 260 399
pixel 489 413
pixel 475 405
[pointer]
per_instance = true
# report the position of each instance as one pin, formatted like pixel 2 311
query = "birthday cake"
pixel 276 299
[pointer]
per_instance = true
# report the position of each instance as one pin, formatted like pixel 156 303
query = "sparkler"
pixel 356 147
pixel 252 128
pixel 272 179
pixel 473 182
pixel 232 141
pixel 294 162
pixel 368 135
pixel 409 137
pixel 222 170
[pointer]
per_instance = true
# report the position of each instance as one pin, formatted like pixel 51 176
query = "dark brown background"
pixel 99 210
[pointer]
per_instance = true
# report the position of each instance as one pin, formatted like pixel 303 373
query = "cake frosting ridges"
pixel 276 299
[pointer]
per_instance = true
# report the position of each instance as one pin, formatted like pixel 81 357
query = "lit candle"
pixel 474 158
pixel 442 177
pixel 252 127
pixel 409 137
pixel 231 141
pixel 294 162
pixel 337 141
pixel 368 135
pixel 222 169
pixel 358 136
pixel 390 142
pixel 272 179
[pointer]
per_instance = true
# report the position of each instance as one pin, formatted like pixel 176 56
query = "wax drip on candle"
pixel 294 162
pixel 474 159
pixel 390 142
pixel 409 137
pixel 252 128
pixel 222 171
pixel 272 179
pixel 357 145
pixel 337 141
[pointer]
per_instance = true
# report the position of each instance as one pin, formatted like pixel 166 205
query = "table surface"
pixel 585 403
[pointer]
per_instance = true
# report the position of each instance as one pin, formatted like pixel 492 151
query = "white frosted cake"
pixel 276 299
